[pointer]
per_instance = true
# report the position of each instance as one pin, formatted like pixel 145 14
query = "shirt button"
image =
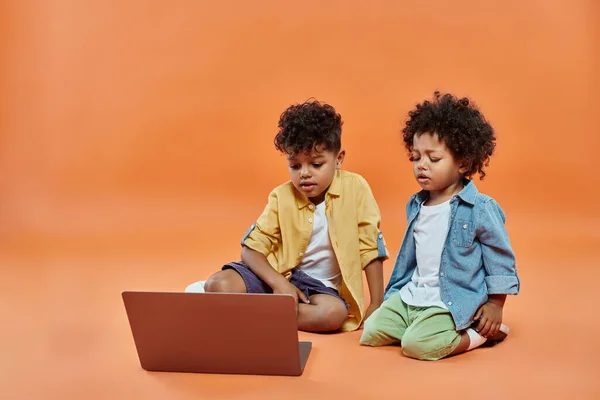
pixel 465 226
pixel 449 303
pixel 441 274
pixel 311 206
pixel 310 220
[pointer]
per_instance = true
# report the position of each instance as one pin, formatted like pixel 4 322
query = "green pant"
pixel 426 333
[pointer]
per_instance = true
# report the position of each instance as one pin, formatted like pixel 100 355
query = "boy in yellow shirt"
pixel 317 233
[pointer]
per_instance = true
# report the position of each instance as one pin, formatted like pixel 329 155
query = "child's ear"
pixel 340 159
pixel 465 166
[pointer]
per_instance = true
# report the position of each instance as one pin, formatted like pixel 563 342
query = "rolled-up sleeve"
pixel 265 234
pixel 498 257
pixel 371 241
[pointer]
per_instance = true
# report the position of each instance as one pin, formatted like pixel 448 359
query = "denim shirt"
pixel 477 259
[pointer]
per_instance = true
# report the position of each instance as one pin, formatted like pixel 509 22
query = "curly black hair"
pixel 458 122
pixel 304 126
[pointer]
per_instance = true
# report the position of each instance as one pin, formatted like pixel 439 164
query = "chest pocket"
pixel 463 233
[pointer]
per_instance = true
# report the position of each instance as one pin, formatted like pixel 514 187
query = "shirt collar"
pixel 469 192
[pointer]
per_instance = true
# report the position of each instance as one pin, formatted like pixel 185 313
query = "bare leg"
pixel 325 313
pixel 462 346
pixel 228 281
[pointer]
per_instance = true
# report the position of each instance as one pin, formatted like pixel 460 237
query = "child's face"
pixel 435 168
pixel 312 173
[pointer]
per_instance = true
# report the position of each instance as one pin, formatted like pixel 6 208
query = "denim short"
pixel 307 284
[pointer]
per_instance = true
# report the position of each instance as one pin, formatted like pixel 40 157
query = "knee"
pixel 417 347
pixel 333 317
pixel 369 333
pixel 219 282
pixel 413 347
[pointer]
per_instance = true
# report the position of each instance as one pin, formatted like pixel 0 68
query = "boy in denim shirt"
pixel 318 232
pixel 456 265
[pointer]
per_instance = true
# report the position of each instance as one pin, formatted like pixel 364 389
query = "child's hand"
pixel 372 307
pixel 490 318
pixel 285 287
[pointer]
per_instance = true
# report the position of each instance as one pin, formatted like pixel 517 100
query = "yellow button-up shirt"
pixel 283 232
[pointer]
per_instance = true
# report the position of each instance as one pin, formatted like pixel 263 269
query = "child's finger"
pixel 481 328
pixel 486 328
pixel 295 302
pixel 477 315
pixel 481 324
pixel 496 328
pixel 491 330
pixel 302 296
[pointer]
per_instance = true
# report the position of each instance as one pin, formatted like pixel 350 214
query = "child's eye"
pixel 295 166
pixel 413 159
pixel 434 159
pixel 316 165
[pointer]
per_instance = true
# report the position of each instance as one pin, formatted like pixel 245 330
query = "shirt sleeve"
pixel 371 241
pixel 265 234
pixel 498 257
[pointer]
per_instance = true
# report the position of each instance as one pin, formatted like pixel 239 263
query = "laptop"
pixel 218 333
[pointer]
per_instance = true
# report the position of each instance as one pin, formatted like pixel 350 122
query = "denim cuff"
pixel 502 284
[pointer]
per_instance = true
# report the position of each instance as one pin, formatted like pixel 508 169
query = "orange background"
pixel 136 147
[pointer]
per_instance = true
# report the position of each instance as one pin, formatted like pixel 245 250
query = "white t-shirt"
pixel 319 260
pixel 431 229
